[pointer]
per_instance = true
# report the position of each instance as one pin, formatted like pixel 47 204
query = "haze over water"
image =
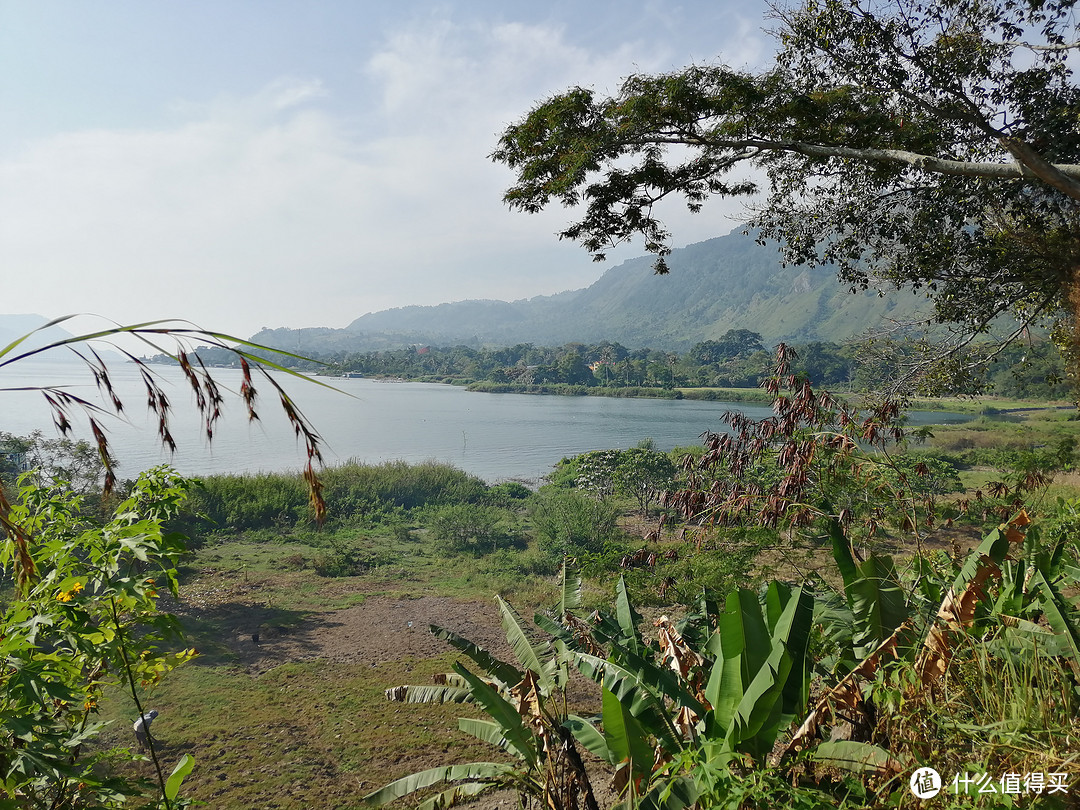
pixel 494 436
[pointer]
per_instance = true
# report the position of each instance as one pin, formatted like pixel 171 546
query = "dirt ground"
pixel 381 629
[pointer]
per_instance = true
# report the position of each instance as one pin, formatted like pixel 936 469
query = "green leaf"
pixel 176 778
pixel 794 634
pixel 628 618
pixel 455 796
pixel 858 757
pixel 740 645
pixel 570 587
pixel 879 603
pixel 673 794
pixel 640 690
pixel 493 773
pixel 487 730
pixel 758 716
pixel 500 670
pixel 552 627
pixel 589 736
pixel 1060 616
pixel 625 736
pixel 430 694
pixel 845 560
pixel 520 739
pixel 528 654
pixel 776 599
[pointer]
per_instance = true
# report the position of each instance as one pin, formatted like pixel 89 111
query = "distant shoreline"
pixel 964 405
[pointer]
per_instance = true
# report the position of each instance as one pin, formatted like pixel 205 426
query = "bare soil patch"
pixel 244 625
pixel 379 630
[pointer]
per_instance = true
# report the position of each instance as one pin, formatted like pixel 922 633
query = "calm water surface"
pixel 494 436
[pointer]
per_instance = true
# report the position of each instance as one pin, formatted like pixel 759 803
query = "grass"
pixel 727 394
pixel 319 733
pixel 302 735
pixel 315 733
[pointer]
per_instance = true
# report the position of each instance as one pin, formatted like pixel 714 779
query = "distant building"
pixel 12 459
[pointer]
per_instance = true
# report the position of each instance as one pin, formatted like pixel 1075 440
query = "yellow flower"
pixel 78 586
pixel 64 596
pixel 89 704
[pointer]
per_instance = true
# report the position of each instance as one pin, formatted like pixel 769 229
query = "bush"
pixel 344 559
pixel 469 527
pixel 369 494
pixel 508 494
pixel 570 522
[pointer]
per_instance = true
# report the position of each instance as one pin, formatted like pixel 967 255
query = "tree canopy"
pixel 927 145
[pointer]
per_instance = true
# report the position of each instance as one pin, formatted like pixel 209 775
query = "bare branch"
pixel 1031 166
pixel 1058 47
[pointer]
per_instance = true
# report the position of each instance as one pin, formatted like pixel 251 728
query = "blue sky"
pixel 249 164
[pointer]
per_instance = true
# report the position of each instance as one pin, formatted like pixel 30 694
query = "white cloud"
pixel 281 209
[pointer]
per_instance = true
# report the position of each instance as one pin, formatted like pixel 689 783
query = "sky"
pixel 261 163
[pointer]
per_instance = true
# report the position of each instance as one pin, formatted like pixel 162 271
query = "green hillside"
pixel 729 282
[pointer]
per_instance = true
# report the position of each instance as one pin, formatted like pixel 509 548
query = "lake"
pixel 494 436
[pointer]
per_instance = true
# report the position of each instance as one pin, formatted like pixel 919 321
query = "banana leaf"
pixel 459 794
pixel 500 670
pixel 531 656
pixel 520 739
pixel 641 701
pixel 430 694
pixel 628 618
pixel 570 586
pixel 626 738
pixel 486 730
pixel 591 737
pixel 491 774
pixel 1061 617
pixel 857 757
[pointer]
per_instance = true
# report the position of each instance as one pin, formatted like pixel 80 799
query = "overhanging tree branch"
pixel 1030 165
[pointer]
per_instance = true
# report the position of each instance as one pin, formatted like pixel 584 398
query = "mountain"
pixel 14 327
pixel 730 282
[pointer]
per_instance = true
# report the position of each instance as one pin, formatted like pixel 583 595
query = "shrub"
pixel 570 522
pixel 508 494
pixel 469 527
pixel 369 494
pixel 344 559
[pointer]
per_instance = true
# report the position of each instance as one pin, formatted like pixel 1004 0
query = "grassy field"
pixel 298 719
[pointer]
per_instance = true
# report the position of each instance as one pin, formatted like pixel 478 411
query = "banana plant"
pixel 525 707
pixel 728 700
pixel 1025 614
pixel 877 602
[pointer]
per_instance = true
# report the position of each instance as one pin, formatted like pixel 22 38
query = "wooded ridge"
pixel 729 282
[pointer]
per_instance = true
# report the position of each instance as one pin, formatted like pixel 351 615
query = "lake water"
pixel 494 436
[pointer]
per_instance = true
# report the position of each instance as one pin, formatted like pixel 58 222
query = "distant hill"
pixel 13 327
pixel 729 282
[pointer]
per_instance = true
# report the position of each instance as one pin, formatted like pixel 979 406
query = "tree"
pixel 927 145
pixel 644 474
pixel 570 522
pixel 573 369
pixel 76 463
pixel 82 614
pixel 468 527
